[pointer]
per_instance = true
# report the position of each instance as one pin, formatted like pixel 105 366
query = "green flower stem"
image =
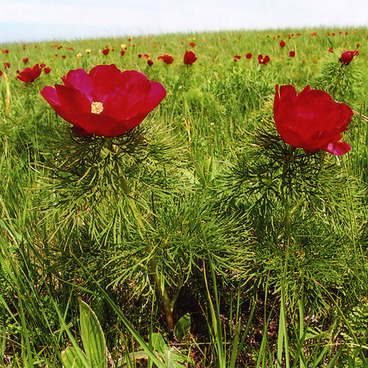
pixel 152 264
pixel 286 190
pixel 336 85
pixel 285 198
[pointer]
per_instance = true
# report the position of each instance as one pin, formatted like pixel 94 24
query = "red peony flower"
pixel 311 120
pixel 347 56
pixel 47 69
pixel 192 44
pixel 189 57
pixel 292 53
pixel 7 65
pixel 25 60
pixel 28 75
pixel 5 51
pixel 150 62
pixel 106 51
pixel 1 73
pixel 248 55
pixel 143 56
pixel 263 60
pixel 282 43
pixel 166 58
pixel 105 101
pixel 237 57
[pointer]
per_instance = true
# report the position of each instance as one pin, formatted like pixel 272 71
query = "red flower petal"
pixel 105 79
pixel 337 148
pixel 80 80
pixel 73 101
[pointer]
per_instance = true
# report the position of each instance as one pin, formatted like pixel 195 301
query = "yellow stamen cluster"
pixel 96 107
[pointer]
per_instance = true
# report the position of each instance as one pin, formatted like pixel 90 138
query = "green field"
pixel 199 238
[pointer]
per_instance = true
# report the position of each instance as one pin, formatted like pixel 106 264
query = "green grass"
pixel 208 219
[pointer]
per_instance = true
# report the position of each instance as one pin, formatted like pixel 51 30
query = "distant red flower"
pixel 47 70
pixel 189 57
pixel 311 120
pixel 192 44
pixel 282 43
pixel 1 73
pixel 25 60
pixel 263 60
pixel 330 49
pixel 28 75
pixel 70 48
pixel 150 62
pixel 248 55
pixel 143 56
pixel 314 34
pixel 122 52
pixel 292 53
pixel 42 65
pixel 106 51
pixel 237 57
pixel 105 101
pixel 358 45
pixel 5 51
pixel 166 58
pixel 347 56
pixel 63 56
pixel 7 65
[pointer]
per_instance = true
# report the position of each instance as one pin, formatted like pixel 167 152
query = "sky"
pixel 41 20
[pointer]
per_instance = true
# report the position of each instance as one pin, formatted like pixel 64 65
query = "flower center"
pixel 96 107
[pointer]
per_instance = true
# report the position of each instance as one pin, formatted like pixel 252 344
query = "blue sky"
pixel 38 20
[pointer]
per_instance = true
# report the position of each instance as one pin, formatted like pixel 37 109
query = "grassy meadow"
pixel 200 253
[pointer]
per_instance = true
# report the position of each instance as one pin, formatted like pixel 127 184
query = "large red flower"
pixel 347 56
pixel 105 101
pixel 166 58
pixel 189 57
pixel 28 75
pixel 311 120
pixel 263 60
